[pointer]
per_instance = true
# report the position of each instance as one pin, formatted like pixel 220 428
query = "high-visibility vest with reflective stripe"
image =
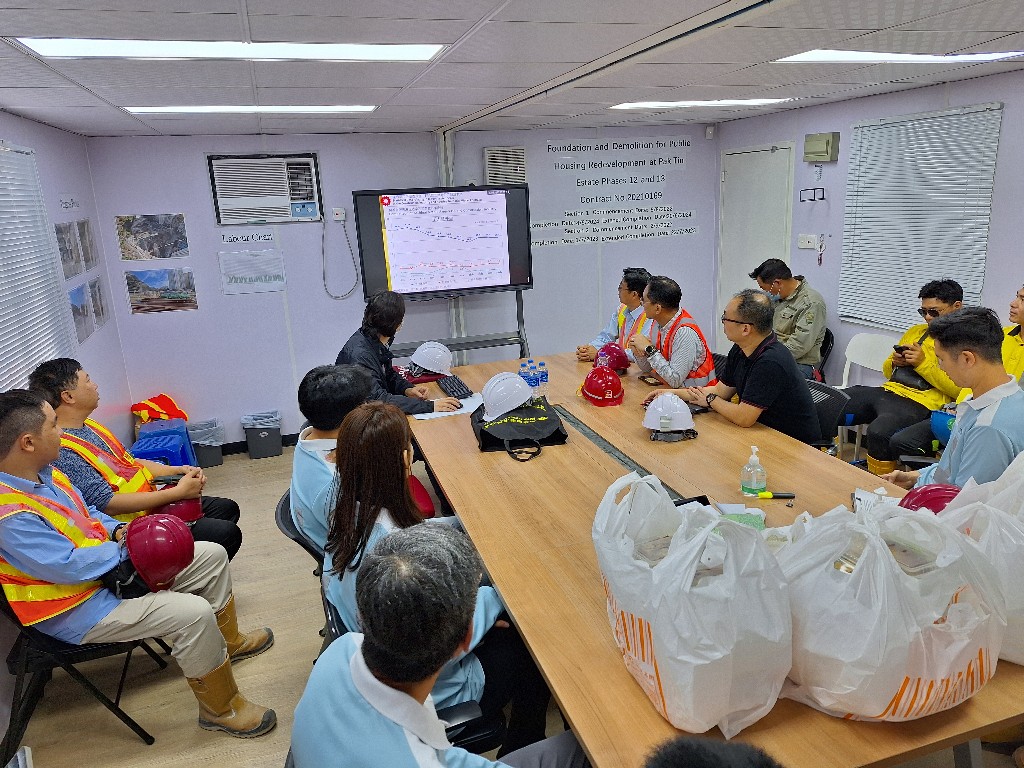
pixel 158 407
pixel 34 600
pixel 116 465
pixel 702 375
pixel 637 325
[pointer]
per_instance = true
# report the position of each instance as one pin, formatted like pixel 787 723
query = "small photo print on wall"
pixel 100 310
pixel 84 325
pixel 70 252
pixel 89 256
pixel 161 290
pixel 160 236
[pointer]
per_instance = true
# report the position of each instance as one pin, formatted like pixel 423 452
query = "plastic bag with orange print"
pixel 697 604
pixel 895 615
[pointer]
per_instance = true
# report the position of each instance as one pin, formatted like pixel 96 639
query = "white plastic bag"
pixel 895 616
pixel 1000 537
pixel 697 604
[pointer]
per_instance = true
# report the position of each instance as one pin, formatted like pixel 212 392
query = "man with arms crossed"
pixel 799 320
pixel 989 429
pixel 679 355
pixel 761 371
pixel 627 320
pixel 367 702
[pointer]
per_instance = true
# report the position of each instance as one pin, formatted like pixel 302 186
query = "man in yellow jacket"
pixel 916 384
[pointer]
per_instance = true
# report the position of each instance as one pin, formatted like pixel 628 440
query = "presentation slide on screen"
pixel 445 240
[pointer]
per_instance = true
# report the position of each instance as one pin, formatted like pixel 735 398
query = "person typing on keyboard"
pixel 369 347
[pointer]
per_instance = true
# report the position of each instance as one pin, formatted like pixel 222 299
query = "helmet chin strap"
pixel 674 436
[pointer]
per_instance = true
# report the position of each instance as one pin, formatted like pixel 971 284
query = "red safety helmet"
pixel 160 547
pixel 612 356
pixel 188 510
pixel 602 386
pixel 933 497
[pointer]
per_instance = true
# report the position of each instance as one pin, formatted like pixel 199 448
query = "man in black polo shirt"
pixel 761 371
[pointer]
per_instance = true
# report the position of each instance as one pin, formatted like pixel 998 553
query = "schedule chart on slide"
pixel 445 240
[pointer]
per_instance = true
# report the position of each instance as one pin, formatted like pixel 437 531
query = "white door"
pixel 755 218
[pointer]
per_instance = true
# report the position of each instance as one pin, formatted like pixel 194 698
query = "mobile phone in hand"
pixel 901 348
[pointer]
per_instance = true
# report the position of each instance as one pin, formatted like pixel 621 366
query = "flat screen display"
pixel 444 241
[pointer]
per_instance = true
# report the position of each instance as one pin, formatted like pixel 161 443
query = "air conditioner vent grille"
pixel 504 165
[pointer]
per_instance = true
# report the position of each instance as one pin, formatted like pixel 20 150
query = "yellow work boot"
pixel 223 708
pixel 241 646
pixel 879 467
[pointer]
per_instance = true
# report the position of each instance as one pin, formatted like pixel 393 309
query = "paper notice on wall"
pixel 251 271
pixel 614 190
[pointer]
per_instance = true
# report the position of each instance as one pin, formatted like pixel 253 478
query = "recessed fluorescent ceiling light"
pixel 234 110
pixel 72 48
pixel 874 57
pixel 684 104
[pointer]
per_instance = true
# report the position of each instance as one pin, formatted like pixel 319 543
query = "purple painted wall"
pixel 239 354
pixel 1004 272
pixel 64 171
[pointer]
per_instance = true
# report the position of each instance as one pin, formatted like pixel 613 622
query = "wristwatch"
pixel 649 350
pixel 710 398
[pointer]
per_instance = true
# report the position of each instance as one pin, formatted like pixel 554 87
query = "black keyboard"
pixel 453 386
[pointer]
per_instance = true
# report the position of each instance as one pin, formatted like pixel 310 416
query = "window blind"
pixel 35 316
pixel 918 204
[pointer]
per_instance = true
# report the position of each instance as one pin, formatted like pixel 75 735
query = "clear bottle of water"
pixel 533 379
pixel 542 370
pixel 524 372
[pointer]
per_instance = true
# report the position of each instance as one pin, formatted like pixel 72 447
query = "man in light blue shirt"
pixel 628 319
pixel 326 395
pixel 989 429
pixel 367 703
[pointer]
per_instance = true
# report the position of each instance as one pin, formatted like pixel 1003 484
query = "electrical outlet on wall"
pixel 807 241
pixel 338 214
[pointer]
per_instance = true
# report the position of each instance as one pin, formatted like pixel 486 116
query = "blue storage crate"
pixel 176 427
pixel 169 449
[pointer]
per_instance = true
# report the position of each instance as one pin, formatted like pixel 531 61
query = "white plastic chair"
pixel 868 350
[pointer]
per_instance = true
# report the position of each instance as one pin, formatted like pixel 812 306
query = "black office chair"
pixel 829 403
pixel 35 655
pixel 719 362
pixel 827 342
pixel 285 524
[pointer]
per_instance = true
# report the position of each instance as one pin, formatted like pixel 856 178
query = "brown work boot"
pixel 223 708
pixel 241 646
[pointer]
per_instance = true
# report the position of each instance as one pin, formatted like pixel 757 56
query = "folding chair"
pixel 868 350
pixel 35 655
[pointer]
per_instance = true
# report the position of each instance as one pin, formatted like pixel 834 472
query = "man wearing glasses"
pixel 916 384
pixel 759 369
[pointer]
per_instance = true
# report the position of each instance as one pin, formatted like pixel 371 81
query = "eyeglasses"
pixel 738 322
pixel 929 312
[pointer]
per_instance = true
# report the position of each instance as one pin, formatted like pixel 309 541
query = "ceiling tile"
pixel 165 6
pixel 787 74
pixel 338 29
pixel 899 41
pixel 307 124
pixel 325 96
pixel 471 96
pixel 603 96
pixel 547 109
pixel 501 41
pixel 85 120
pixel 377 9
pixel 662 12
pixel 136 96
pixel 144 25
pixel 847 14
pixel 1013 42
pixel 508 75
pixel 322 74
pixel 629 75
pixel 97 73
pixel 11 98
pixel 204 124
pixel 427 111
pixel 26 72
pixel 996 15
pixel 745 45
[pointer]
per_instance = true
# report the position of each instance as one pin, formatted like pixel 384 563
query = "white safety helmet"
pixel 503 393
pixel 433 356
pixel 668 413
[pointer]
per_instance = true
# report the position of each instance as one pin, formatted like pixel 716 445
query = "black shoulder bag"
pixel 521 432
pixel 908 377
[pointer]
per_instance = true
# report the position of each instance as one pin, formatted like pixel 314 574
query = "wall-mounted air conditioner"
pixel 265 189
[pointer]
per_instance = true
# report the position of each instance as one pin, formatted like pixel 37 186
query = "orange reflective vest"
pixel 637 325
pixel 116 464
pixel 32 599
pixel 703 374
pixel 158 407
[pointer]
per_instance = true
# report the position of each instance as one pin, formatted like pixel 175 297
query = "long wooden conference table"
pixel 531 522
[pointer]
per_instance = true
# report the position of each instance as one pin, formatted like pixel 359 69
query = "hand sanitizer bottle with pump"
pixel 753 478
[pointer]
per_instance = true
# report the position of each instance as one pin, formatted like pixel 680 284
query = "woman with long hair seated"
pixel 374 459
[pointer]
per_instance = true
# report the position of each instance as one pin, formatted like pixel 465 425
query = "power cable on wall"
pixel 323 260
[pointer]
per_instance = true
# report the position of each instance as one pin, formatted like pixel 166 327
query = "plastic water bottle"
pixel 542 371
pixel 753 478
pixel 533 379
pixel 524 372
